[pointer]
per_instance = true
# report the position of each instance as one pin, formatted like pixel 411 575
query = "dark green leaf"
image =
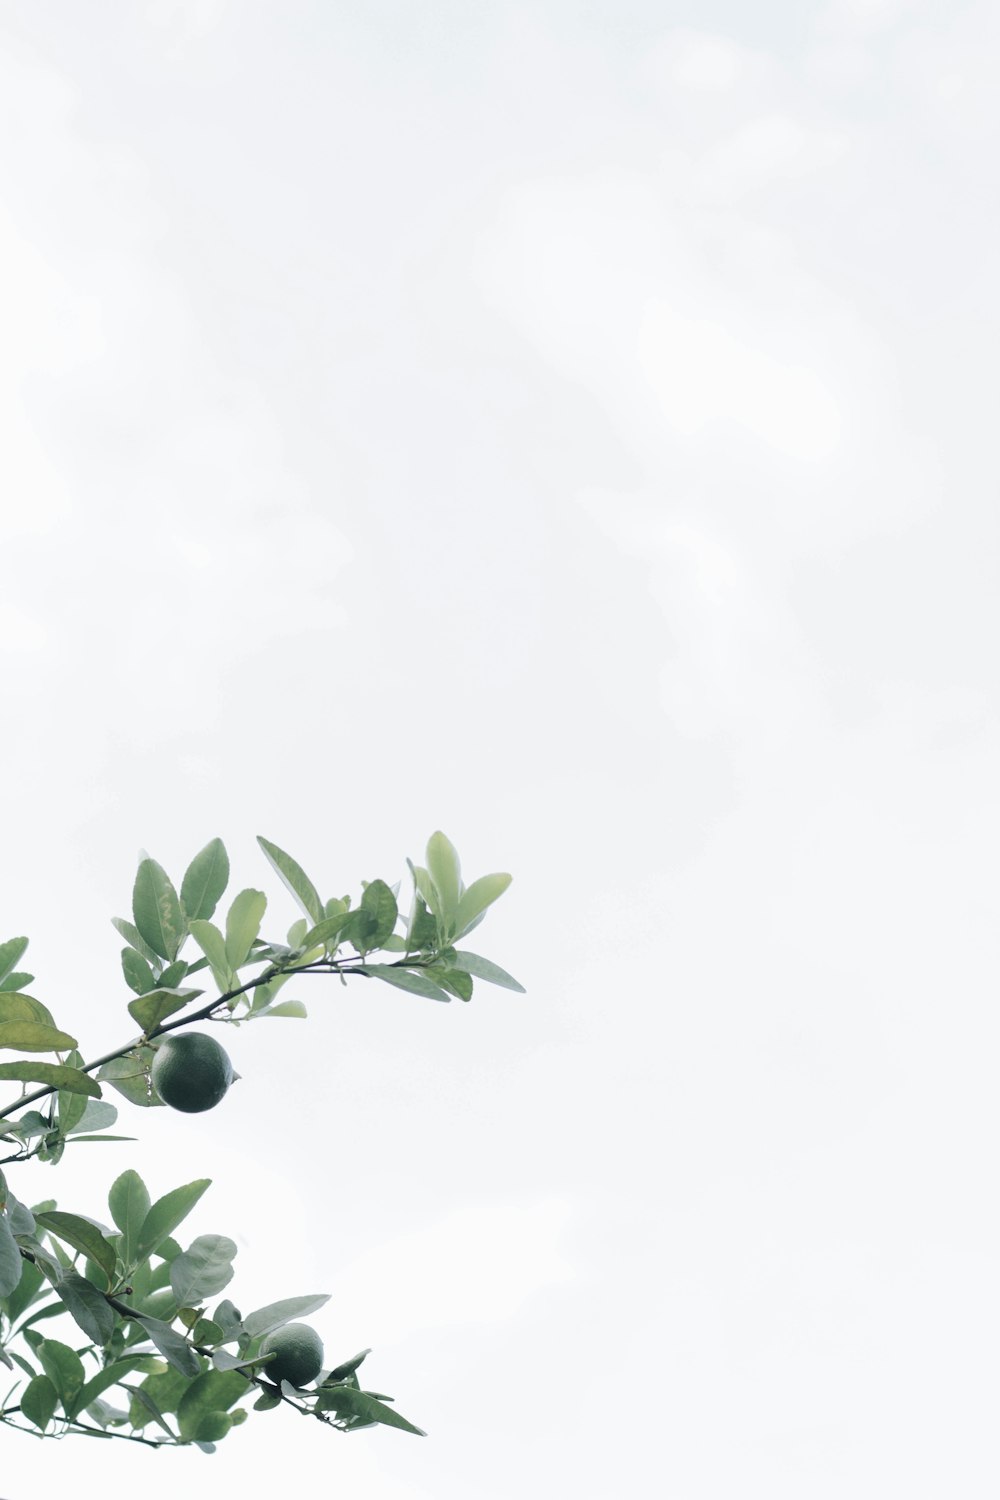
pixel 242 925
pixel 346 1401
pixel 33 1036
pixel 175 1349
pixel 56 1074
pixel 378 907
pixel 166 1213
pixel 483 969
pixel 138 974
pixel 10 954
pixel 213 1391
pixel 481 894
pixel 70 1106
pixel 39 1400
pixel 405 979
pixel 455 981
pixel 347 1368
pixel 143 1406
pixel 129 1203
pixel 31 1283
pixel 266 1402
pixel 422 932
pixel 10 1259
pixel 87 1307
pixel 64 1369
pixel 152 1009
pixel 276 1314
pixel 445 871
pixel 295 879
pixel 203 1269
pixel 157 910
pixel 205 880
pixel 109 1376
pixel 82 1235
pixel 135 938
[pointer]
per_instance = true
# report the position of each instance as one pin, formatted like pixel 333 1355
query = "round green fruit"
pixel 191 1072
pixel 298 1354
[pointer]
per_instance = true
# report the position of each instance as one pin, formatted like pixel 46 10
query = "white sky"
pixel 570 426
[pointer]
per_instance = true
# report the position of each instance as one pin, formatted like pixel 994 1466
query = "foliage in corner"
pixel 163 1360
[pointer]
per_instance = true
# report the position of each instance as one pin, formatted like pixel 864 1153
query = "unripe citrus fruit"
pixel 298 1354
pixel 191 1072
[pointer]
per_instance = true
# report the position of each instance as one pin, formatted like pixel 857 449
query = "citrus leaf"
pixel 130 1076
pixel 157 910
pixel 213 1392
pixel 445 871
pixel 325 931
pixel 138 974
pixel 10 954
pixel 87 1307
pixel 135 939
pixel 96 1116
pixel 203 1269
pixel 39 1400
pixel 56 1074
pixel 82 1235
pixel 64 1368
pixel 405 979
pixel 166 1213
pixel 295 878
pixel 481 894
pixel 175 1349
pixel 152 1009
pixel 286 1008
pixel 276 1314
pixel 483 969
pixel 10 1258
pixel 243 925
pixel 213 945
pixel 34 1036
pixel 129 1203
pixel 345 1400
pixel 15 1006
pixel 204 881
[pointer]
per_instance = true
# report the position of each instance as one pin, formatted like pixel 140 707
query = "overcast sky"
pixel 570 426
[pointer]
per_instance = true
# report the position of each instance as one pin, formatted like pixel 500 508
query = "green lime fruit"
pixel 191 1072
pixel 298 1354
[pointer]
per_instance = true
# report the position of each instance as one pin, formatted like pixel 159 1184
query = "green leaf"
pixel 445 871
pixel 109 1376
pixel 39 1400
pixel 347 1368
pixel 203 1269
pixel 152 1009
pixel 15 1006
pixel 33 1036
pixel 455 981
pixel 346 1401
pixel 425 886
pixel 213 945
pixel 286 1008
pixel 243 925
pixel 405 979
pixel 95 1117
pixel 483 969
pixel 28 1288
pixel 16 981
pixel 70 1106
pixel 295 879
pixel 64 1368
pixel 276 1314
pixel 212 1392
pixel 56 1074
pixel 130 1076
pixel 376 918
pixel 156 907
pixel 166 1213
pixel 82 1235
pixel 134 937
pixel 481 894
pixel 10 954
pixel 324 932
pixel 87 1307
pixel 138 974
pixel 10 1259
pixel 205 880
pixel 175 1349
pixel 422 932
pixel 129 1203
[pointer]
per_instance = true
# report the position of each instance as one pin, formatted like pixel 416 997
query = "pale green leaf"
pixel 295 879
pixel 205 880
pixel 157 910
pixel 243 925
pixel 55 1074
